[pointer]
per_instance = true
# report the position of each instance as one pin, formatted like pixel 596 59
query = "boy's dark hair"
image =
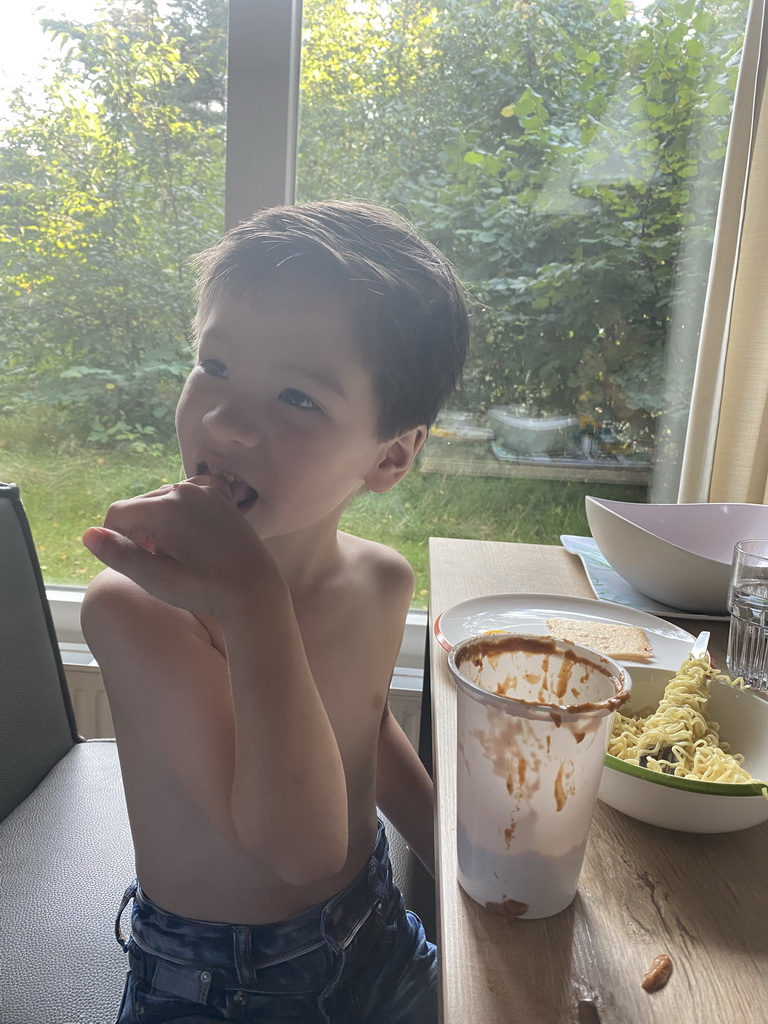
pixel 409 307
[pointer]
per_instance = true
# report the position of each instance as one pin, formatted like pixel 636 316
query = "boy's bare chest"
pixel 180 817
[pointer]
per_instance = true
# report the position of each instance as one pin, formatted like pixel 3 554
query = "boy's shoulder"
pixel 372 593
pixel 375 564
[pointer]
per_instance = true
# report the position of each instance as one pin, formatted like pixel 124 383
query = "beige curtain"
pixel 726 451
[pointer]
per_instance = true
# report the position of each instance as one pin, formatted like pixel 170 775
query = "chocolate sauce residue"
pixel 522 770
pixel 509 833
pixel 564 784
pixel 563 678
pixel 490 649
pixel 509 909
pixel 579 736
pixel 560 797
pixel 484 647
pixel 503 744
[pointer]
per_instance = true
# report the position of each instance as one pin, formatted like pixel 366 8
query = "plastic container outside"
pixel 533 435
pixel 533 719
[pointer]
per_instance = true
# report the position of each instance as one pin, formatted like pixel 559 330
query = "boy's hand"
pixel 187 544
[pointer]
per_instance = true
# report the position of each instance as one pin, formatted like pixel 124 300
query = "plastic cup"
pixel 748 604
pixel 533 720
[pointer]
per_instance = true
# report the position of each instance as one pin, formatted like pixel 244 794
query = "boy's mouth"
pixel 243 495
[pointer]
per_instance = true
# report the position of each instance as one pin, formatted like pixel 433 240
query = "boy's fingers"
pixel 163 489
pixel 136 561
pixel 216 483
pixel 113 548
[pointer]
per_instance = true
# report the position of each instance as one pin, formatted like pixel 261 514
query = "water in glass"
pixel 748 639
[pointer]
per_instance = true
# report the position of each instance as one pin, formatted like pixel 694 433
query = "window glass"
pixel 112 167
pixel 567 156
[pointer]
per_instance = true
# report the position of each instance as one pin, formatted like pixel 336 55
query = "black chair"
pixel 65 845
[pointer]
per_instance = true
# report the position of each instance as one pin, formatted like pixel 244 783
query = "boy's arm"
pixel 283 735
pixel 206 560
pixel 404 790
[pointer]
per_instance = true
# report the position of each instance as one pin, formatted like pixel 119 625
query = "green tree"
pixel 552 149
pixel 111 180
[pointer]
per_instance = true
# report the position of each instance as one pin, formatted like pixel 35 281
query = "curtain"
pixel 726 449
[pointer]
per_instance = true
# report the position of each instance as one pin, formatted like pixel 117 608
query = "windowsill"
pixel 65 605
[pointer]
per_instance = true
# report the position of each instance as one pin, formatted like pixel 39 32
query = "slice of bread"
pixel 615 640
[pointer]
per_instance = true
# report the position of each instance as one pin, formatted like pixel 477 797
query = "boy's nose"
pixel 231 424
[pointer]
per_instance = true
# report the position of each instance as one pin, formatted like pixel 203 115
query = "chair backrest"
pixel 37 724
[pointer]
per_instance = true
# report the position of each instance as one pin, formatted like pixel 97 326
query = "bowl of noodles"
pixel 689 752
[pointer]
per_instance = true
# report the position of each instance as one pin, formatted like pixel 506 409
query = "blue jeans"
pixel 360 958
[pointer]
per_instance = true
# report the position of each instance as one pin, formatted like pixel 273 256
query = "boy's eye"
pixel 213 367
pixel 292 396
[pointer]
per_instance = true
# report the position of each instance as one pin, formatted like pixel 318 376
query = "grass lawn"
pixel 65 492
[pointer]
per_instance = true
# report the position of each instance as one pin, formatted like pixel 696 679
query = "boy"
pixel 247 644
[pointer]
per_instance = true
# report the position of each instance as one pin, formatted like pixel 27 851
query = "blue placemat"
pixel 609 586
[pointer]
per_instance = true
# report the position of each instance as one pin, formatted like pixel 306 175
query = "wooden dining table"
pixel 643 891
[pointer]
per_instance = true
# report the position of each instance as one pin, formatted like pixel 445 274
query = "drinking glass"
pixel 748 604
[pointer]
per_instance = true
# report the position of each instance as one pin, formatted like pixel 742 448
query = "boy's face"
pixel 279 403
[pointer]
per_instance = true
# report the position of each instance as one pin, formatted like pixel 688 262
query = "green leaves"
pixel 586 59
pixel 530 110
pixel 112 180
pixel 489 163
pixel 555 151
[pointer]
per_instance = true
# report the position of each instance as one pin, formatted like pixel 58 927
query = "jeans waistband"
pixel 187 941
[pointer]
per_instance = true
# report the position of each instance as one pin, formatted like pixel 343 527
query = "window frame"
pixel 66 602
pixel 263 74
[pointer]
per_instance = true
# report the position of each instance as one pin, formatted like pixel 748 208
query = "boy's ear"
pixel 395 460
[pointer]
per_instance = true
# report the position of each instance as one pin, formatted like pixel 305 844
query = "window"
pixel 112 163
pixel 566 155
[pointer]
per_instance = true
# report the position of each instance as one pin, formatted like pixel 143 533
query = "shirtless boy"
pixel 247 644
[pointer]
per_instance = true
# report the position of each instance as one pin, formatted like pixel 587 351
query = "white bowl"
pixel 684 804
pixel 677 554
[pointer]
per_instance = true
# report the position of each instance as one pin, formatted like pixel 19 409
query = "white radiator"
pixel 92 708
pixel 86 689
